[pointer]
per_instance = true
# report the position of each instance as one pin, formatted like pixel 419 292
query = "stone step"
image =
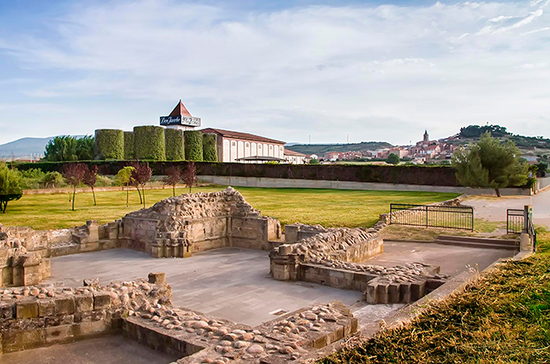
pixel 473 239
pixel 473 244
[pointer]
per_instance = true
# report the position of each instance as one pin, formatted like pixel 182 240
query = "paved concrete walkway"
pixel 494 208
pixel 105 350
pixel 452 259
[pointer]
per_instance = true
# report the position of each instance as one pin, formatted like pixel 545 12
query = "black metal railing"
pixel 437 216
pixel 515 221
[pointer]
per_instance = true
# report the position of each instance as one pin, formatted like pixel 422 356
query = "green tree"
pixel 10 186
pixel 393 159
pixel 85 148
pixel 490 163
pixel 123 178
pixel 61 149
pixel 314 161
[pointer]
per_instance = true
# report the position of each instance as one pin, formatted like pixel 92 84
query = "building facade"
pixel 235 146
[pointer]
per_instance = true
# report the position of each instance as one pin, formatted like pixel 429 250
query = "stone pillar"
pixel 92 228
pixel 285 266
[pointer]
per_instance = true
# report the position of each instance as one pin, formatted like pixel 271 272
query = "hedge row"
pixel 149 143
pixel 193 145
pixel 174 145
pixel 209 148
pixel 109 144
pixel 129 142
pixel 415 175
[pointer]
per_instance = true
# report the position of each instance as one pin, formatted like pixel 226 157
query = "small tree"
pixel 90 179
pixel 393 159
pixel 490 163
pixel 74 174
pixel 10 186
pixel 124 177
pixel 314 161
pixel 189 176
pixel 140 176
pixel 173 176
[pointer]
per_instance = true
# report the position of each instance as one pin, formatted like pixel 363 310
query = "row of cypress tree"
pixel 155 143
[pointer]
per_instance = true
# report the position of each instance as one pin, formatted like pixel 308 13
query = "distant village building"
pixel 295 157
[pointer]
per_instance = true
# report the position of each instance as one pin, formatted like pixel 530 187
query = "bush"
pixel 10 185
pixel 193 145
pixel 149 143
pixel 209 148
pixel 53 180
pixel 109 144
pixel 175 150
pixel 33 173
pixel 129 147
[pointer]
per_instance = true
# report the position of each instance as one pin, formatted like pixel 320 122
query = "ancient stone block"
pixel 6 310
pixel 157 278
pixel 418 290
pixel 405 292
pixel 84 302
pixel 102 300
pixel 58 334
pixel 393 293
pixel 382 293
pixel 46 307
pixel 371 293
pixel 26 309
pixel 64 305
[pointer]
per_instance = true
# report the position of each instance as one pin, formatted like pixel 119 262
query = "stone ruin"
pixel 38 315
pixel 330 256
pixel 19 266
pixel 179 226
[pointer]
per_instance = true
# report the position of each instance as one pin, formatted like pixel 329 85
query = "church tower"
pixel 426 136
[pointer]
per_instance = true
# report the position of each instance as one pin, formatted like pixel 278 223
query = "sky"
pixel 298 71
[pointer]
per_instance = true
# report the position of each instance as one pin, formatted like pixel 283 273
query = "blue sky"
pixel 288 70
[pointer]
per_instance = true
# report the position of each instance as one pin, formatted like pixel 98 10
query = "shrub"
pixel 10 186
pixel 149 143
pixel 33 173
pixel 123 178
pixel 109 144
pixel 175 150
pixel 193 145
pixel 209 147
pixel 129 147
pixel 52 180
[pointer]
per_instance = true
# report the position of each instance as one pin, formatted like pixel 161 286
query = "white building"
pixel 234 146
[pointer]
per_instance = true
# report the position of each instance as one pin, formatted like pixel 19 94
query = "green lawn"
pixel 308 206
pixel 502 318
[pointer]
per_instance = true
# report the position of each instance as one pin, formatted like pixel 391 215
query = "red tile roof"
pixel 239 135
pixel 180 109
pixel 293 153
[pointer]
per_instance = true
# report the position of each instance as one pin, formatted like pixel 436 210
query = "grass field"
pixel 502 318
pixel 309 206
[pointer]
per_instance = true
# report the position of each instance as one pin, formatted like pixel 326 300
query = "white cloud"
pixel 374 72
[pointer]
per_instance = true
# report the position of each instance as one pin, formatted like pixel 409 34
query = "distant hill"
pixel 321 149
pixel 24 147
pixel 472 133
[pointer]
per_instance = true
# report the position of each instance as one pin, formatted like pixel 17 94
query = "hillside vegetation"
pixel 321 149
